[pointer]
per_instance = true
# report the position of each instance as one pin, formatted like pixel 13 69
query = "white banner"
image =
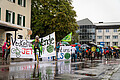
pixel 64 53
pixel 49 45
pixel 23 48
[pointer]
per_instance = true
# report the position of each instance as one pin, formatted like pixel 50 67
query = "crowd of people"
pixel 79 53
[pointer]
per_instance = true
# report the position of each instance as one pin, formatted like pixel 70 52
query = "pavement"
pixel 60 70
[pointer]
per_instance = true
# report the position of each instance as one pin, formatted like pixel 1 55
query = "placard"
pixel 64 53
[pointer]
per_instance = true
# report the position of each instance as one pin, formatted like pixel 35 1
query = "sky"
pixel 97 10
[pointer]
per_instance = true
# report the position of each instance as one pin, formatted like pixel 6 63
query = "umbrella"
pixel 99 46
pixel 79 45
pixel 72 45
pixel 65 43
pixel 111 48
pixel 84 46
pixel 115 46
pixel 76 43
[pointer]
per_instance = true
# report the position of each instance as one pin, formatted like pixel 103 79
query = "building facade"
pixel 108 33
pixel 86 31
pixel 15 19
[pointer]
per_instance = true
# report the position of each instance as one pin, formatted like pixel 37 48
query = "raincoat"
pixel 4 47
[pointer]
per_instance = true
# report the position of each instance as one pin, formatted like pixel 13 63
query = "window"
pixel 93 30
pixel 0 13
pixel 20 37
pixel 22 3
pixel 107 37
pixel 99 30
pixel 12 1
pixel 21 20
pixel 98 43
pixel 107 43
pixel 115 37
pixel 115 30
pixel 115 43
pixel 10 16
pixel 107 30
pixel 99 37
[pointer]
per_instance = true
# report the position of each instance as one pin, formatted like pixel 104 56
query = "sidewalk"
pixel 116 75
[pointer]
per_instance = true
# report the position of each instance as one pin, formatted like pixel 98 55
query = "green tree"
pixel 49 16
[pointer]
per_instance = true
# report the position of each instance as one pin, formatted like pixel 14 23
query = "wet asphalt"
pixel 98 69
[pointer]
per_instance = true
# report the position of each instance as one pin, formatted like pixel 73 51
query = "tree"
pixel 52 16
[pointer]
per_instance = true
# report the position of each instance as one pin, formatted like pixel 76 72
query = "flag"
pixel 67 38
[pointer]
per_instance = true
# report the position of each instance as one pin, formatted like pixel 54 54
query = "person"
pixel 73 53
pixel 8 49
pixel 97 53
pixel 89 53
pixel 83 53
pixel 3 50
pixel 57 50
pixel 110 52
pixel 107 54
pixel 101 52
pixel 80 54
pixel 77 51
pixel 37 45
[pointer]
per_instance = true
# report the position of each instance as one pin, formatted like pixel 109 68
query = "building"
pixel 108 34
pixel 86 31
pixel 15 19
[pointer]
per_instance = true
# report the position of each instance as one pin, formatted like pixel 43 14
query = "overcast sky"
pixel 97 10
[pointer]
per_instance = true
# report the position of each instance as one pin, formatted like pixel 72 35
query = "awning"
pixel 9 27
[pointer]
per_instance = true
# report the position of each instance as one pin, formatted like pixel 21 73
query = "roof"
pixel 9 27
pixel 85 21
pixel 108 25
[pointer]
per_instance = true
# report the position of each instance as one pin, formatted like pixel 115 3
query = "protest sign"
pixel 64 53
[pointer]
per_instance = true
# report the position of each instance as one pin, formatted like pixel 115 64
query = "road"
pixel 60 70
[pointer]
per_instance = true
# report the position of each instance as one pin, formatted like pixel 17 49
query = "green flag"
pixel 67 38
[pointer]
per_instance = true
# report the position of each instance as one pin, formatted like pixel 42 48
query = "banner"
pixel 23 48
pixel 64 53
pixel 67 38
pixel 48 48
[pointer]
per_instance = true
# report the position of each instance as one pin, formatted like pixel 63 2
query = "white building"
pixel 15 19
pixel 108 33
